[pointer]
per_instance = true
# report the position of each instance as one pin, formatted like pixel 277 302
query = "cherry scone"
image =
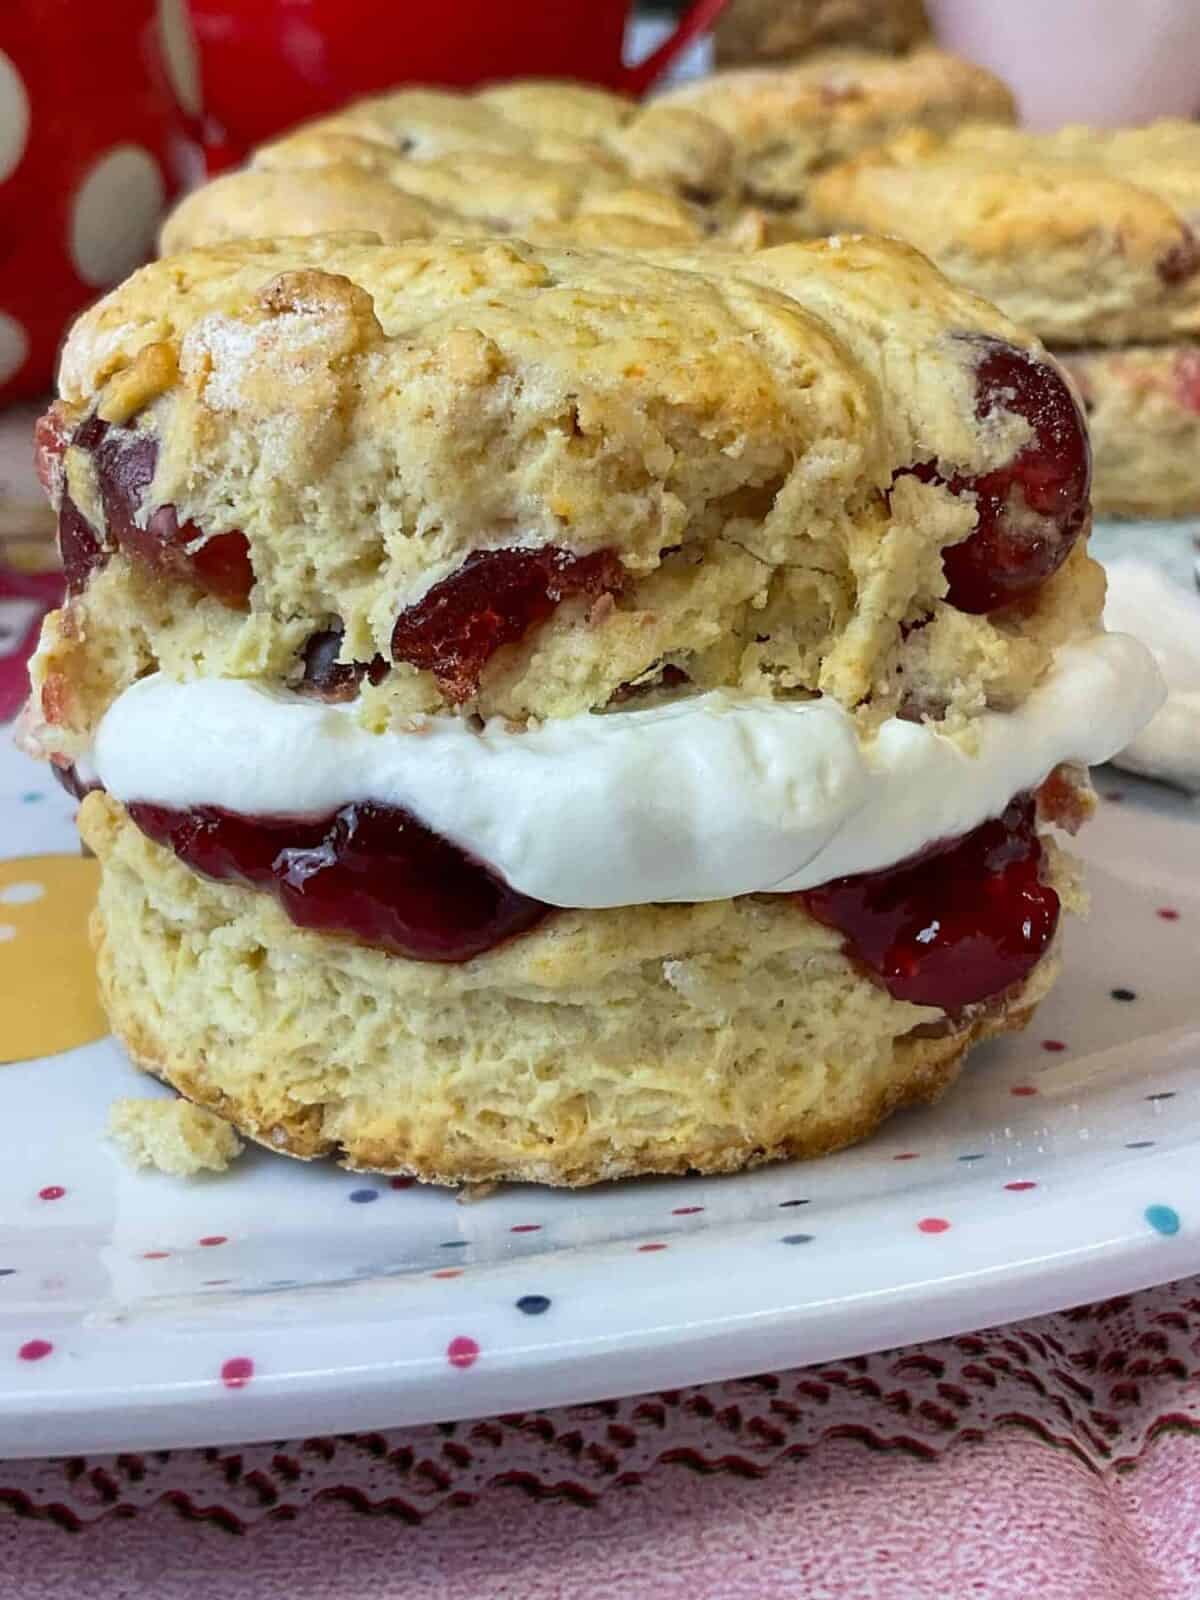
pixel 549 715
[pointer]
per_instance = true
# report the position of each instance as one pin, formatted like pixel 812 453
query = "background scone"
pixel 533 159
pixel 751 32
pixel 787 123
pixel 1086 236
pixel 522 684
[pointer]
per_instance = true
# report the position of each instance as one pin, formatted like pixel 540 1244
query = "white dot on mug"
pixel 179 52
pixel 14 117
pixel 14 346
pixel 114 214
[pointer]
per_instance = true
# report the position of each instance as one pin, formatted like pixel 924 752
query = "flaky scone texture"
pixel 607 1043
pixel 1143 406
pixel 786 123
pixel 370 416
pixel 543 160
pixel 1083 235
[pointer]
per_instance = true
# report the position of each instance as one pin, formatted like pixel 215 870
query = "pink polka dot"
pixel 448 1272
pixel 1053 1045
pixel 237 1372
pixel 52 1191
pixel 933 1225
pixel 1168 913
pixel 907 1155
pixel 35 1350
pixel 526 1227
pixel 1022 1089
pixel 401 1183
pixel 155 1255
pixel 686 1211
pixel 1019 1188
pixel 214 1283
pixel 643 1248
pixel 462 1352
pixel 210 1239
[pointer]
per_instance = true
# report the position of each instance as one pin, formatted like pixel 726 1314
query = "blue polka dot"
pixel 783 1203
pixel 32 796
pixel 7 1272
pixel 796 1238
pixel 975 1156
pixel 1123 994
pixel 1163 1094
pixel 454 1244
pixel 363 1197
pixel 533 1304
pixel 1140 1144
pixel 1163 1219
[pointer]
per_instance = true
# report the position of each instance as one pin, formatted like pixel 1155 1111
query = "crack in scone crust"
pixel 370 418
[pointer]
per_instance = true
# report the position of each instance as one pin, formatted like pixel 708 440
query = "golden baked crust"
pixel 370 416
pixel 1143 405
pixel 606 1043
pixel 1083 235
pixel 751 32
pixel 534 159
pixel 787 123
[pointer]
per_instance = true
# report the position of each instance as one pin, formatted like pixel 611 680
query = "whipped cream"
pixel 702 798
pixel 1142 600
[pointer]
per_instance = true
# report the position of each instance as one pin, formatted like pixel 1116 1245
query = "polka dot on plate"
pixel 1168 913
pixel 1022 1089
pixel 211 1239
pixel 907 1155
pixel 449 1272
pixel 1021 1186
pixel 1162 1094
pixel 533 1304
pixel 363 1197
pixel 237 1372
pixel 644 1248
pixel 179 52
pixel 52 1191
pixel 35 1350
pixel 1053 1045
pixel 785 1203
pixel 975 1155
pixel 14 346
pixel 155 1255
pixel 1141 1144
pixel 7 1272
pixel 114 215
pixel 796 1238
pixel 401 1183
pixel 686 1211
pixel 453 1244
pixel 21 894
pixel 526 1227
pixel 933 1225
pixel 462 1352
pixel 1123 994
pixel 1163 1219
pixel 14 117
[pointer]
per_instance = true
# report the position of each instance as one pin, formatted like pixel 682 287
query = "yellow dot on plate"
pixel 48 997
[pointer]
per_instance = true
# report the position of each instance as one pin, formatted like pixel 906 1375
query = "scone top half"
pixel 490 480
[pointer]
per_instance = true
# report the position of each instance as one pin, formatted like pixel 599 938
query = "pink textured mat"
pixel 1055 1458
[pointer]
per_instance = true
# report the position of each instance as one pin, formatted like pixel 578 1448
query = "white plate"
pixel 1047 1177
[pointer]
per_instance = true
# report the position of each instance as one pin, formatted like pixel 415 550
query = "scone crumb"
pixel 471 1193
pixel 172 1136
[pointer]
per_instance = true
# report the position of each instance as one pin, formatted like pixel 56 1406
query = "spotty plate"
pixel 139 1311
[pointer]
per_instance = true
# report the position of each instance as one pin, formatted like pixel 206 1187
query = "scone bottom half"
pixel 510 487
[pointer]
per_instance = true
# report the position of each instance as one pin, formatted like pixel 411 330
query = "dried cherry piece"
pixel 1031 511
pixel 959 923
pixel 493 599
pixel 327 677
pixel 370 871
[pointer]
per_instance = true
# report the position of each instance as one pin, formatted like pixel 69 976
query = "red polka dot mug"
pixel 88 139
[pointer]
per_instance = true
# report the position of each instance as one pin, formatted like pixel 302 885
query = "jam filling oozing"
pixel 373 872
pixel 955 925
pixel 1033 510
pixel 493 599
pixel 124 462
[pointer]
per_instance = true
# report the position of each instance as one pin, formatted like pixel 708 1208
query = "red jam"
pixel 373 872
pixel 1033 510
pixel 124 461
pixel 954 925
pixel 493 599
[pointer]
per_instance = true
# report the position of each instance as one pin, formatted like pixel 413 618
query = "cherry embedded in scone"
pixel 1031 512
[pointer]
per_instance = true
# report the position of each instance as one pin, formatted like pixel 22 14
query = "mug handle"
pixel 696 20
